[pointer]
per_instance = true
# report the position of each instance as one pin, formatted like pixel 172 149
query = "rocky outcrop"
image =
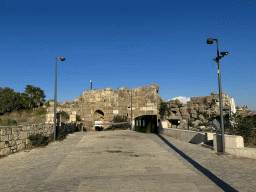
pixel 199 109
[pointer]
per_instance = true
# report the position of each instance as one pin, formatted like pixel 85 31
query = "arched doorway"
pixel 98 119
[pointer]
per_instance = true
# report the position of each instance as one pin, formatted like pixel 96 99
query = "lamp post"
pixel 55 95
pixel 217 60
pixel 131 109
pixel 91 84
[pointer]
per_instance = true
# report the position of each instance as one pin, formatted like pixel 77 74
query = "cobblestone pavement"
pixel 124 161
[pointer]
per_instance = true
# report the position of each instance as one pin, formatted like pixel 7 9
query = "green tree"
pixel 35 96
pixel 163 109
pixel 8 99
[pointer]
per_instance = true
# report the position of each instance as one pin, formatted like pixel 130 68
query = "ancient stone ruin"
pixel 103 104
pixel 199 108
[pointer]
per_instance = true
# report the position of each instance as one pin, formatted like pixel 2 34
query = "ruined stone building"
pixel 104 104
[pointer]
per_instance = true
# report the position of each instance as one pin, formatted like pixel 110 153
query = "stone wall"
pixel 104 104
pixel 14 138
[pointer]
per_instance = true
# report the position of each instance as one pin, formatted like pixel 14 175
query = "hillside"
pixel 25 117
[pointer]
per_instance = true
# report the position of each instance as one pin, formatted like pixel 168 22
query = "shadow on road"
pixel 223 185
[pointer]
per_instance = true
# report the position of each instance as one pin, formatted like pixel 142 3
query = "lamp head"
pixel 223 53
pixel 90 81
pixel 209 41
pixel 62 58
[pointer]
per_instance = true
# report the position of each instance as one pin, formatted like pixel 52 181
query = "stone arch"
pixel 98 115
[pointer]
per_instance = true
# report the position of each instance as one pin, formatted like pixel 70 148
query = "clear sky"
pixel 128 43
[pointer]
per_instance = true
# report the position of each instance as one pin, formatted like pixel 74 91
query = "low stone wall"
pixel 14 138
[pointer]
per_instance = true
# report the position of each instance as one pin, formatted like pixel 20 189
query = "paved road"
pixel 124 161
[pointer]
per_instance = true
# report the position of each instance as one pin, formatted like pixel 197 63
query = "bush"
pixel 41 111
pixel 64 114
pixel 78 118
pixel 190 124
pixel 163 109
pixel 205 100
pixel 245 126
pixel 11 122
pixel 38 140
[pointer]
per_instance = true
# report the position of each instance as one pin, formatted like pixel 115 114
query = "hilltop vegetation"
pixel 22 108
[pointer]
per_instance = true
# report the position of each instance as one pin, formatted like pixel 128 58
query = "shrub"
pixel 41 111
pixel 78 118
pixel 205 100
pixel 38 140
pixel 47 104
pixel 190 124
pixel 163 109
pixel 64 114
pixel 11 122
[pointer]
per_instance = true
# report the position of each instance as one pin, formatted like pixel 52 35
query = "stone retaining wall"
pixel 14 138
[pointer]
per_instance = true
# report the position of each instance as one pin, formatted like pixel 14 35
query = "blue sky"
pixel 129 44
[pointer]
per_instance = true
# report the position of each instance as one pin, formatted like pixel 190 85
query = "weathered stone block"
pixel 194 116
pixel 23 135
pixel 3 131
pixel 21 146
pixel 27 141
pixel 2 145
pixel 15 136
pixel 5 151
pixel 18 142
pixel 12 143
pixel 11 137
pixel 4 138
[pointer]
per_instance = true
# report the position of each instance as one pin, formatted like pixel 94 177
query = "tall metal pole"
pixel 91 85
pixel 131 109
pixel 220 97
pixel 55 99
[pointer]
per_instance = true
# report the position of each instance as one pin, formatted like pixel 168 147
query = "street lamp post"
pixel 131 109
pixel 55 95
pixel 217 59
pixel 91 84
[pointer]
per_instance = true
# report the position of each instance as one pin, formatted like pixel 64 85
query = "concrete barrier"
pixel 234 144
pixel 185 135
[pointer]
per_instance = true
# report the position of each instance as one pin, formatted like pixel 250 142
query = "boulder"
pixel 194 116
pixel 201 117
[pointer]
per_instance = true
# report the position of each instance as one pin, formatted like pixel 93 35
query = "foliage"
pixel 78 118
pixel 163 109
pixel 38 140
pixel 60 133
pixel 11 122
pixel 41 111
pixel 244 126
pixel 8 100
pixel 47 104
pixel 65 115
pixel 35 96
pixel 205 100
pixel 190 124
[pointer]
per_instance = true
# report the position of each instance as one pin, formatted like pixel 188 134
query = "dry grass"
pixel 24 117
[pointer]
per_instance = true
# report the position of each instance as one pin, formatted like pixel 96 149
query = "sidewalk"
pixel 124 161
